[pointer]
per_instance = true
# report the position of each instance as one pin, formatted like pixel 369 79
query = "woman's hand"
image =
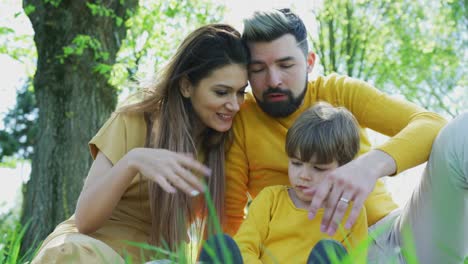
pixel 169 169
pixel 107 182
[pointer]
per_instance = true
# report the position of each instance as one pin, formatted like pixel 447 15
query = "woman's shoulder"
pixel 124 125
pixel 119 134
pixel 130 120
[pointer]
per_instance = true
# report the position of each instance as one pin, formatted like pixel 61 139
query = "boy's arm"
pixel 252 233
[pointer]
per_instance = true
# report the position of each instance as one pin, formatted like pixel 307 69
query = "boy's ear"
pixel 310 61
pixel 185 87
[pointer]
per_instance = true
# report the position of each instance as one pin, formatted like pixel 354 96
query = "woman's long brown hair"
pixel 172 119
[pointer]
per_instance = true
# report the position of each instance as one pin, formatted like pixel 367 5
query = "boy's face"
pixel 303 175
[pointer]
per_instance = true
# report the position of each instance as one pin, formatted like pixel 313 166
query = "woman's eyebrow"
pixel 229 87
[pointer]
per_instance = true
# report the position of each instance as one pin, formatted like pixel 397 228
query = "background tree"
pixel 411 48
pixel 79 68
pixel 74 40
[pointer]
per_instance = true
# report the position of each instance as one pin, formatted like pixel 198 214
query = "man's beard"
pixel 283 108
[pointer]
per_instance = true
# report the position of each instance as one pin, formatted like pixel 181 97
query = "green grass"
pixel 11 234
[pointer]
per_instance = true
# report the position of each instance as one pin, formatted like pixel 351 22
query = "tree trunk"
pixel 73 100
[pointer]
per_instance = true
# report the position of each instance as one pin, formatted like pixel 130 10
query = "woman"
pixel 151 157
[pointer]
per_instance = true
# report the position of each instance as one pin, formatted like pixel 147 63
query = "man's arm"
pixel 353 181
pixel 237 170
pixel 412 130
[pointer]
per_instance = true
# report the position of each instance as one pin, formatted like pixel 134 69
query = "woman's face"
pixel 217 97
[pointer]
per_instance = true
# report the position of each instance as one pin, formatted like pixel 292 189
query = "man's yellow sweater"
pixel 257 157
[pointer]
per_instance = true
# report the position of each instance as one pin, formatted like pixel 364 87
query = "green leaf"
pixel 6 30
pixel 54 3
pixel 104 69
pixel 118 21
pixel 70 114
pixel 29 9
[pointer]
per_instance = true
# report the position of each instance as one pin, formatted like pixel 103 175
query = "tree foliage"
pixel 18 46
pixel 20 132
pixel 155 32
pixel 407 47
pixel 17 137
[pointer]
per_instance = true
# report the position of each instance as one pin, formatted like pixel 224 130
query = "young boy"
pixel 277 228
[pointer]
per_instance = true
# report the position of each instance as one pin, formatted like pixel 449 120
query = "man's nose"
pixel 274 78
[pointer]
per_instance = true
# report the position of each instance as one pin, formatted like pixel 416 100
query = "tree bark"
pixel 73 100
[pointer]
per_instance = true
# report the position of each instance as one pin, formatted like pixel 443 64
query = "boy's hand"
pixel 352 182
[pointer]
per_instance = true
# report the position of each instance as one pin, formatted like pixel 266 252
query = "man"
pixel 280 62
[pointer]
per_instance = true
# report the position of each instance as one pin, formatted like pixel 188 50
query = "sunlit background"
pixel 14 72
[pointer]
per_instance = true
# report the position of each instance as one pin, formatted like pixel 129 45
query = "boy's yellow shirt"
pixel 276 231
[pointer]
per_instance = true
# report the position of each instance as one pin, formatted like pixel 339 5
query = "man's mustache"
pixel 276 91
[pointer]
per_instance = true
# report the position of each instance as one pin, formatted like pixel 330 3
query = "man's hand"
pixel 348 185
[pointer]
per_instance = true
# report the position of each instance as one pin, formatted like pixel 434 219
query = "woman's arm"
pixel 106 183
pixel 103 188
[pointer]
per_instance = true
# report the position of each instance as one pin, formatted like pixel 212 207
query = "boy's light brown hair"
pixel 324 132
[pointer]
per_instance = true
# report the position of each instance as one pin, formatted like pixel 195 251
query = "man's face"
pixel 278 75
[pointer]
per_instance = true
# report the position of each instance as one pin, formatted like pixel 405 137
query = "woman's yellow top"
pixel 131 218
